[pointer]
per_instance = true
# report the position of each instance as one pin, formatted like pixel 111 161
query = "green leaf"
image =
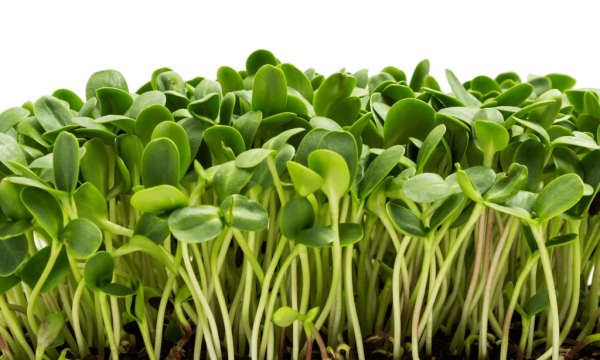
pixel 177 134
pixel 247 125
pixel 152 228
pixel 531 154
pixel 207 108
pixel 51 113
pixel 98 275
pixel 558 196
pixel 305 180
pixel 33 269
pixel 537 303
pixel 309 144
pixel 578 139
pixel 460 92
pixel 407 118
pixel 298 214
pixel 336 88
pixel 561 240
pixel 284 316
pixel 196 223
pixel 224 142
pixel 91 204
pixel 545 116
pixel 508 185
pixel 427 187
pixel 12 254
pixel 482 177
pixel 10 229
pixel 252 158
pixel 158 199
pixel 160 163
pixel 342 143
pixel 567 162
pixel 269 91
pixel 320 122
pixel 431 142
pixel 334 171
pixel 514 96
pixel 49 329
pixel 561 82
pixel 10 200
pixel 316 237
pixel 148 119
pixel 145 100
pixel 278 142
pixel 124 123
pixel 406 221
pixel 66 162
pixel 491 137
pixel 418 77
pixel 11 117
pixel 81 237
pixel 170 81
pixel 379 169
pixel 259 58
pixel 246 215
pixel 350 233
pixel 45 209
pixel 510 290
pixel 467 187
pixel 230 179
pixel 94 165
pixel 446 210
pixel 113 101
pixel 298 81
pixel 8 282
pixel 10 151
pixel 140 243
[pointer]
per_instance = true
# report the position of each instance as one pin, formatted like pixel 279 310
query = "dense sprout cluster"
pixel 275 213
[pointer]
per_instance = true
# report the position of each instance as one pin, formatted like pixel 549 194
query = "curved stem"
pixel 55 250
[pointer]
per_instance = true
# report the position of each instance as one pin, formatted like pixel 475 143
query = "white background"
pixel 46 45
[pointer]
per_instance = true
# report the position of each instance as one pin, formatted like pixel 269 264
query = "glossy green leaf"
pixel 285 316
pixel 342 143
pixel 160 163
pixel 336 88
pixel 561 240
pixel 259 58
pixel 10 151
pixel 269 91
pixel 297 215
pixel 278 142
pixel 152 228
pixel 545 116
pixel 9 229
pixel 507 185
pixel 531 154
pixel 45 209
pixel 252 158
pixel 158 199
pixel 196 223
pixel 426 188
pixel 561 82
pixel 537 303
pixel 558 196
pixel 66 162
pixel 113 101
pixel 10 200
pixel 94 165
pixel 514 96
pixel 460 92
pixel 243 214
pixel 431 142
pixel 81 238
pixel 567 162
pixel 298 81
pixel 145 100
pixel 8 282
pixel 229 179
pixel 408 118
pixel 11 117
pixel 406 221
pixel 350 234
pixel 491 137
pixel 33 269
pixel 170 81
pixel 148 120
pixel 247 125
pixel 305 180
pixel 418 77
pixel 224 142
pixel 98 275
pixel 12 254
pixel 309 144
pixel 316 237
pixel 379 169
pixel 177 134
pixel 446 210
pixel 51 113
pixel 334 171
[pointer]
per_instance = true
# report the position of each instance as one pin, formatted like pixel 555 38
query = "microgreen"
pixel 359 209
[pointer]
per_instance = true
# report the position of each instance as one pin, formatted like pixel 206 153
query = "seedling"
pixel 212 214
